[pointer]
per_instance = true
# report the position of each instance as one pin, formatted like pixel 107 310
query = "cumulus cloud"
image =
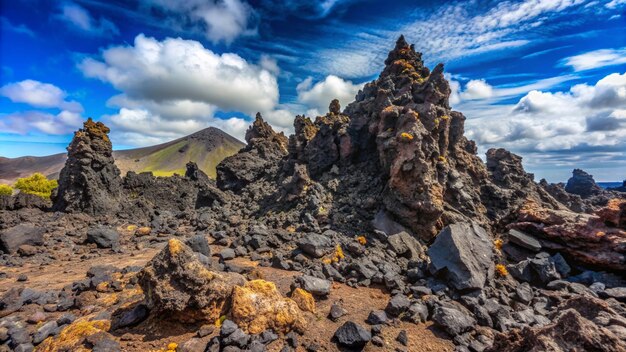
pixel 175 69
pixel 549 127
pixel 79 18
pixel 596 59
pixel 175 87
pixel 221 20
pixel 477 89
pixel 39 94
pixel 319 95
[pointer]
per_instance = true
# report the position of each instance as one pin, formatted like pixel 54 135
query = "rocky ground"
pixel 372 228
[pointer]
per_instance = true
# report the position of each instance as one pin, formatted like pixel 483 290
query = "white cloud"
pixel 175 87
pixel 477 89
pixel 613 4
pixel 548 127
pixel 319 95
pixel 221 20
pixel 596 59
pixel 175 69
pixel 78 17
pixel 38 94
pixel 37 121
pixel 447 32
pixel 269 64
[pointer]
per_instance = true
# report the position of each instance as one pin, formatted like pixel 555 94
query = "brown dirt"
pixel 156 333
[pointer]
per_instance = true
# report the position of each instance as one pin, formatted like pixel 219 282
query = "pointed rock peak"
pixel 259 129
pixel 263 131
pixel 95 129
pixel 403 59
pixel 401 43
pixel 334 107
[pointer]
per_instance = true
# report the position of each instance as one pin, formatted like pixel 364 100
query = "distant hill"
pixel 206 148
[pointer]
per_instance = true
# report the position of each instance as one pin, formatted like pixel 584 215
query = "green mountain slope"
pixel 206 148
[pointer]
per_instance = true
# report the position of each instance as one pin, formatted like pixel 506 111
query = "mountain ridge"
pixel 206 148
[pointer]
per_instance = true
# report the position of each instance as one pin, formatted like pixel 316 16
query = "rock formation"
pixel 582 184
pixel 176 283
pixel 90 182
pixel 265 147
pixel 598 240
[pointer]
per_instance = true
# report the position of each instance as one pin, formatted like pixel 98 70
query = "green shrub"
pixel 5 190
pixel 36 184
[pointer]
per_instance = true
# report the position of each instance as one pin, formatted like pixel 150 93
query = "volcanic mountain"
pixel 206 148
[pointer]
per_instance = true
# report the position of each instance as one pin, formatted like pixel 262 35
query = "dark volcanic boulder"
pixel 12 238
pixel 265 147
pixel 582 184
pixel 463 253
pixel 352 335
pixel 175 282
pixel 103 237
pixel 24 200
pixel 89 182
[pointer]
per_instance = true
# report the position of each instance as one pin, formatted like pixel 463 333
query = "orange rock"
pixel 258 305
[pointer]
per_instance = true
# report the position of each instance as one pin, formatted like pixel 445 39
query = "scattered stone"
pixel 315 245
pixel 103 237
pixel 403 338
pixel 337 311
pixel 314 285
pixel 453 321
pixel 227 254
pixel 465 251
pixel 24 234
pixel 524 293
pixel 48 329
pixel 352 335
pixel 377 317
pixel 132 317
pixel 524 240
pixel 397 305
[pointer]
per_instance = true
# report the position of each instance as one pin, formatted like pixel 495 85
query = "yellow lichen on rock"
pixel 258 306
pixel 174 246
pixel 71 338
pixel 143 231
pixel 304 300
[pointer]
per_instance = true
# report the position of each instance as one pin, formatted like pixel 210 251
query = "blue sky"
pixel 543 78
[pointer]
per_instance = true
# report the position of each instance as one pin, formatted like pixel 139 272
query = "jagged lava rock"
pixel 89 182
pixel 265 147
pixel 582 184
pixel 175 282
pixel 588 239
pixel 464 254
pixel 577 327
pixel 404 123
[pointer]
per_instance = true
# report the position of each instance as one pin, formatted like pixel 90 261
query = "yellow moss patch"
pixel 131 228
pixel 501 270
pixel 172 346
pixel 143 231
pixel 498 244
pixel 327 260
pixel 445 117
pixel 304 300
pixel 407 137
pixel 219 321
pixel 71 338
pixel 291 229
pixel 362 240
pixel 175 246
pixel 442 159
pixel 600 234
